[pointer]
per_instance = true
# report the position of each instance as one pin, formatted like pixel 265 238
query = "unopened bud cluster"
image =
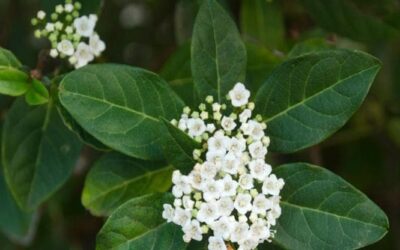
pixel 230 196
pixel 72 36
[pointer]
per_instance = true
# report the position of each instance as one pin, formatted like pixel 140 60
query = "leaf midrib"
pixel 146 116
pixel 317 94
pixel 330 214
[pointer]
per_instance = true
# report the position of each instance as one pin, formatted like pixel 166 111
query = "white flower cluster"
pixel 72 36
pixel 231 194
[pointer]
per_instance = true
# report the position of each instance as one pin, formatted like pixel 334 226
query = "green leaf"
pixel 84 136
pixel 177 72
pixel 8 60
pixel 261 22
pixel 120 106
pixel 309 46
pixel 138 224
pixel 322 211
pixel 13 82
pixel 343 17
pixel 218 54
pixel 38 153
pixel 178 147
pixel 37 93
pixel 308 98
pixel 14 222
pixel 260 63
pixel 116 178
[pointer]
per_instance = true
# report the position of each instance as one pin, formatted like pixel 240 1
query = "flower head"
pixel 230 193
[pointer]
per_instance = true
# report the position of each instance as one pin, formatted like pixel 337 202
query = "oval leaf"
pixel 7 59
pixel 138 224
pixel 178 147
pixel 120 106
pixel 37 93
pixel 39 153
pixel 218 54
pixel 13 82
pixel 116 178
pixel 322 211
pixel 308 98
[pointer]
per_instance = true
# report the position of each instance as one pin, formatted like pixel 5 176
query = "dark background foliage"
pixel 146 33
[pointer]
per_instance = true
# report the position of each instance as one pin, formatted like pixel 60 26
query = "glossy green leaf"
pixel 343 17
pixel 37 93
pixel 261 22
pixel 14 222
pixel 7 59
pixel 115 179
pixel 178 147
pixel 38 153
pixel 138 224
pixel 218 54
pixel 177 72
pixel 308 98
pixel 309 46
pixel 322 211
pixel 260 63
pixel 120 106
pixel 84 136
pixel 13 82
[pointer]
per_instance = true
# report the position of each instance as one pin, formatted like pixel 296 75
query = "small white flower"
pixel 216 107
pixel 216 243
pixel 192 230
pixel 258 150
pixel 259 169
pixel 196 180
pixel 256 130
pixel 272 185
pixel 168 212
pixel 83 55
pixel 261 204
pixel 187 202
pixel 237 146
pixel 245 115
pixel 66 47
pixel 41 15
pixel 196 127
pixel 225 206
pixel 212 190
pixel 208 170
pixel 228 123
pixel 259 230
pixel 246 181
pixel 182 216
pixel 247 243
pixel 240 231
pixel 230 164
pixel 229 186
pixel 222 227
pixel 215 157
pixel 96 44
pixel 243 203
pixel 239 95
pixel 218 142
pixel 84 26
pixel 182 184
pixel 208 212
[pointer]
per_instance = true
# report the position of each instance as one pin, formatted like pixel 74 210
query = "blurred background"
pixel 155 34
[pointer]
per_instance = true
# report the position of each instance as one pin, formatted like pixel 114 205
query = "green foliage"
pixel 13 82
pixel 308 98
pixel 116 178
pixel 178 147
pixel 330 212
pixel 309 46
pixel 120 106
pixel 218 54
pixel 343 17
pixel 138 224
pixel 261 22
pixel 8 60
pixel 37 93
pixel 38 153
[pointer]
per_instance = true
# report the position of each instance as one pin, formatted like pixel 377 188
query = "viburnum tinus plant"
pixel 190 174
